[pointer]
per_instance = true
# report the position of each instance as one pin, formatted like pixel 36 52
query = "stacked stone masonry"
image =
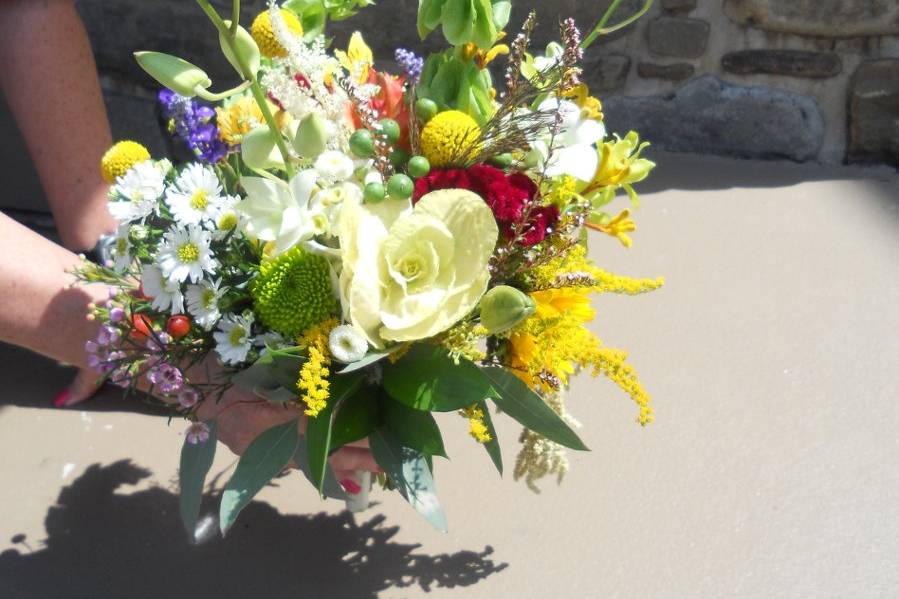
pixel 797 79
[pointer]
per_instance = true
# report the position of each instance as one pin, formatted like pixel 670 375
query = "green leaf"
pixel 264 459
pixel 260 380
pixel 458 19
pixel 492 446
pixel 286 365
pixel 356 418
pixel 331 488
pixel 319 428
pixel 196 460
pixel 429 13
pixel 414 428
pixel 484 33
pixel 408 469
pixel 516 399
pixel 502 10
pixel 426 378
pixel 365 362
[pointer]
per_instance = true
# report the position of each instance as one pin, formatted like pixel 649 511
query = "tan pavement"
pixel 772 469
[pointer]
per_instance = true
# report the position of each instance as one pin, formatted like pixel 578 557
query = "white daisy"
pixel 203 303
pixel 574 153
pixel 166 295
pixel 233 340
pixel 120 250
pixel 335 166
pixel 196 195
pixel 135 193
pixel 184 254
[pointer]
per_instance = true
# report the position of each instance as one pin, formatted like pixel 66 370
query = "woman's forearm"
pixel 49 78
pixel 40 308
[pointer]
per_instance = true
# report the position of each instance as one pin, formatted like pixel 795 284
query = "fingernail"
pixel 351 486
pixel 62 399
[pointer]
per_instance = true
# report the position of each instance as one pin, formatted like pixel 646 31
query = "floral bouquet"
pixel 371 248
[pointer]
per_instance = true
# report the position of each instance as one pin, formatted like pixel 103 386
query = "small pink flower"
pixel 197 432
pixel 188 398
pixel 116 315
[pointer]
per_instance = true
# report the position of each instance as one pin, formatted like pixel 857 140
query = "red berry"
pixel 178 326
pixel 141 327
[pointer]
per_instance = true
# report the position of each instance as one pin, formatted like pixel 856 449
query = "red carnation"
pixel 507 196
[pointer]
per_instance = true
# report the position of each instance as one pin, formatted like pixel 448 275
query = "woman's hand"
pixel 241 417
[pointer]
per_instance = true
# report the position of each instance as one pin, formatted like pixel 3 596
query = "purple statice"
pixel 197 433
pixel 194 124
pixel 411 64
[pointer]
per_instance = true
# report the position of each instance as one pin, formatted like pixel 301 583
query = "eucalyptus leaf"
pixel 365 362
pixel 263 460
pixel 196 460
pixel 492 446
pixel 415 429
pixel 319 428
pixel 331 489
pixel 408 469
pixel 516 399
pixel 428 379
pixel 356 418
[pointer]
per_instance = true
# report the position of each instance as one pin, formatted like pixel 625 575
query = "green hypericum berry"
pixel 400 187
pixel 390 129
pixel 502 161
pixel 362 143
pixel 426 109
pixel 293 292
pixel 419 167
pixel 398 157
pixel 374 192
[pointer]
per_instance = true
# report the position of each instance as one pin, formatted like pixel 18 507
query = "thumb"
pixel 82 388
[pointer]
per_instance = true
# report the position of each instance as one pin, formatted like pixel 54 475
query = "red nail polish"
pixel 62 399
pixel 351 486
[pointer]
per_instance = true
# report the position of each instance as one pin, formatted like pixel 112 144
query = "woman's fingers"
pixel 349 459
pixel 81 389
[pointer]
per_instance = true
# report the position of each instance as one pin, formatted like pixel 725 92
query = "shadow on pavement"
pixel 104 544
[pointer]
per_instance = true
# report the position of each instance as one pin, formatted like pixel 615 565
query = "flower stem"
pixel 601 29
pixel 250 76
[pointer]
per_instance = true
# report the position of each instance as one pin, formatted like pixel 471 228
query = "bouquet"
pixel 370 247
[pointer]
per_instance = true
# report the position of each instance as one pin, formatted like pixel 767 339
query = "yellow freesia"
pixel 358 59
pixel 620 166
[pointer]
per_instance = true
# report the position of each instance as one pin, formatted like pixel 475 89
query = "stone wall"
pixel 796 79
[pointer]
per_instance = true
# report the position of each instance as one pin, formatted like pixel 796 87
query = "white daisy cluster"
pixel 185 219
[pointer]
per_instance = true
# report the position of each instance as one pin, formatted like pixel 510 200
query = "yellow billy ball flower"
pixel 120 158
pixel 450 137
pixel 264 35
pixel 293 292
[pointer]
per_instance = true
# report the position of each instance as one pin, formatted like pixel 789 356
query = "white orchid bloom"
pixel 574 153
pixel 283 213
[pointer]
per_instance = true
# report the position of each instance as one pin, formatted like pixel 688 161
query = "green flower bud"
pixel 174 73
pixel 390 129
pixel 362 144
pixel 503 307
pixel 247 48
pixel 259 151
pixel 400 187
pixel 419 167
pixel 312 136
pixel 374 193
pixel 426 109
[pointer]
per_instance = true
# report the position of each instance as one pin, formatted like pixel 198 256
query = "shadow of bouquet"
pixel 104 544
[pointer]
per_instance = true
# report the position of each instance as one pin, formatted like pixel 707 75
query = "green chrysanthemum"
pixel 293 292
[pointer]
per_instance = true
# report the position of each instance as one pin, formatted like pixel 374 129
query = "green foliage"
pixel 263 460
pixel 409 471
pixel 517 400
pixel 464 21
pixel 356 418
pixel 457 84
pixel 319 430
pixel 492 446
pixel 428 379
pixel 196 460
pixel 413 428
pixel 314 14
